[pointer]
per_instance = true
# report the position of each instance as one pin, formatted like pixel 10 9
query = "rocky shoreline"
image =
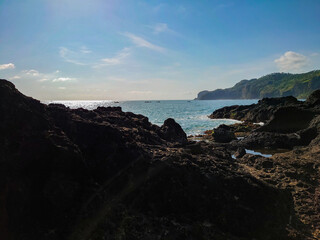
pixel 107 174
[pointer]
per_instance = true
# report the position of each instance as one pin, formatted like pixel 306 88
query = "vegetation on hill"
pixel 271 85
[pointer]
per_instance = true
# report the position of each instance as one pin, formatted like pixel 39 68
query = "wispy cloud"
pixel 15 77
pixel 43 80
pixel 7 66
pixel 63 79
pixel 160 27
pixel 70 56
pixel 31 72
pixel 291 61
pixel 158 7
pixel 52 77
pixel 85 50
pixel 140 42
pixel 79 57
pixel 117 59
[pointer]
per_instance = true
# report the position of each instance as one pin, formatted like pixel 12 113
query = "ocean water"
pixel 191 115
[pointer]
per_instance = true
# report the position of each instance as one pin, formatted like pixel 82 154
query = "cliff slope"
pixel 272 85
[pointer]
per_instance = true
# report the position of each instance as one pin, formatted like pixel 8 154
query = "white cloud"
pixel 291 61
pixel 63 79
pixel 15 77
pixel 158 7
pixel 43 79
pixel 69 56
pixel 85 50
pixel 120 56
pixel 163 28
pixel 32 72
pixel 160 27
pixel 7 66
pixel 80 57
pixel 140 42
pixel 62 88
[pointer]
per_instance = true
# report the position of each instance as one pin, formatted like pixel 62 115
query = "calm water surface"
pixel 191 115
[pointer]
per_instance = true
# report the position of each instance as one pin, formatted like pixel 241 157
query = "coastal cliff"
pixel 272 85
pixel 108 174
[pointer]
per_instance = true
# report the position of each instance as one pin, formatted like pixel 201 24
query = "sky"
pixel 136 50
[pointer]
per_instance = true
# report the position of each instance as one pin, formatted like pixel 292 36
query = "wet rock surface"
pixel 107 174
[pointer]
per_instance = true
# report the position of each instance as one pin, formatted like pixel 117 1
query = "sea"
pixel 192 115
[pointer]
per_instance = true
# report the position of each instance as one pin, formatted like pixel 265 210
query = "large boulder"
pixel 223 134
pixel 288 120
pixel 172 131
pixel 260 112
pixel 260 140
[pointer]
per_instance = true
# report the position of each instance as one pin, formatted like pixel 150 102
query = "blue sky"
pixel 105 49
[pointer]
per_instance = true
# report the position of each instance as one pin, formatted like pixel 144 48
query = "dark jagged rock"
pixel 260 112
pixel 170 130
pixel 244 128
pixel 106 174
pixel 294 126
pixel 314 98
pixel 240 152
pixel 288 120
pixel 258 140
pixel 41 170
pixel 223 134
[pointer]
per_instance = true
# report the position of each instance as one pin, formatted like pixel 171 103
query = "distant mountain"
pixel 272 85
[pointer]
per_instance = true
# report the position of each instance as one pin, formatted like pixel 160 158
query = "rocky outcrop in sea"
pixel 287 121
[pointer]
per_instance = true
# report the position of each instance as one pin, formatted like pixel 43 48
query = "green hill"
pixel 272 85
